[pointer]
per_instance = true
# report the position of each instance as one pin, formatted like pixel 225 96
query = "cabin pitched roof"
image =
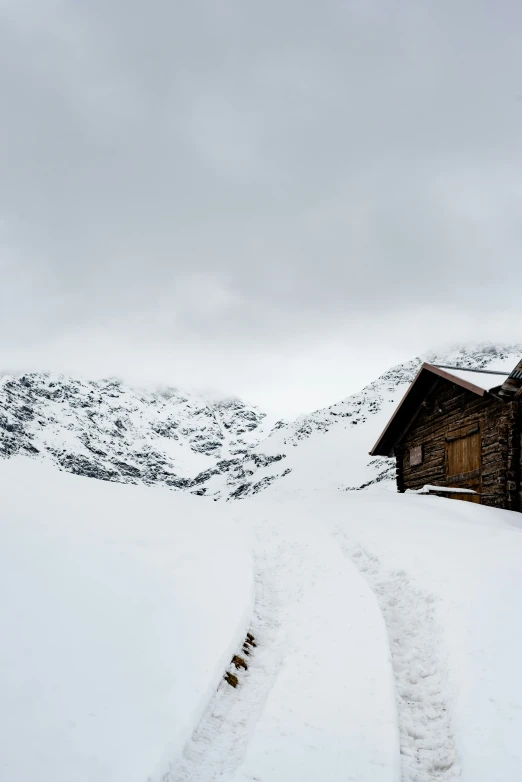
pixel 425 380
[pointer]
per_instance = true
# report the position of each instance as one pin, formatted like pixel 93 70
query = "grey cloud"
pixel 221 175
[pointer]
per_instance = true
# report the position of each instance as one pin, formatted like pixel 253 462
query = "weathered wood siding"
pixel 451 411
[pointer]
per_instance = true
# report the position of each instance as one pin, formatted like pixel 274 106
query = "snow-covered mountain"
pixel 107 430
pixel 216 448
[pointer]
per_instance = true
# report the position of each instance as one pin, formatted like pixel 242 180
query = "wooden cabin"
pixel 461 429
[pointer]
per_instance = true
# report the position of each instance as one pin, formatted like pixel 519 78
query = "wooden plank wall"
pixel 449 411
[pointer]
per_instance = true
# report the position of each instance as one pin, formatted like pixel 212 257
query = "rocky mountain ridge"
pixel 104 429
pixel 219 449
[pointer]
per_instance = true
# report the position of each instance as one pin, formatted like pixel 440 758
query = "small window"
pixel 416 455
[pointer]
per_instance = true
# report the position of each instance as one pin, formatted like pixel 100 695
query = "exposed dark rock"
pixel 9 446
pixel 79 465
pixel 260 460
pixel 263 484
pixel 23 413
pixel 128 469
pixel 242 491
pixel 205 476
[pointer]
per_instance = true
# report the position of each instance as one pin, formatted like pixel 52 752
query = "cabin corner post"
pixel 399 469
pixel 513 456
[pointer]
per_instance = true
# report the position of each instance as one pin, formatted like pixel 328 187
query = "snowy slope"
pixel 316 704
pixel 448 577
pixel 120 607
pixel 107 430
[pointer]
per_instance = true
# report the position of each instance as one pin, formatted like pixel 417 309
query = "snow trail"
pixel 218 744
pixel 427 741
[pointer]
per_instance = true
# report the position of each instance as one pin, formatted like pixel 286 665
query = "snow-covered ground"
pixel 387 632
pixel 448 576
pixel 120 607
pixel 318 699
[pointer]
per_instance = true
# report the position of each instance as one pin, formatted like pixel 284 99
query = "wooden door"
pixel 463 465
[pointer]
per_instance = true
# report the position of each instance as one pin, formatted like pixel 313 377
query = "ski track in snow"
pixel 428 749
pixel 219 742
pixel 427 741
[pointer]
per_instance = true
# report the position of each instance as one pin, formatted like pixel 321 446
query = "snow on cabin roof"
pixel 485 380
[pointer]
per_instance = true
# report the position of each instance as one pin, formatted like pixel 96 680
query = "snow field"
pixel 387 627
pixel 120 609
pixel 454 571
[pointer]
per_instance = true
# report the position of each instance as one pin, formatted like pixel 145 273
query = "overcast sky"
pixel 276 199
